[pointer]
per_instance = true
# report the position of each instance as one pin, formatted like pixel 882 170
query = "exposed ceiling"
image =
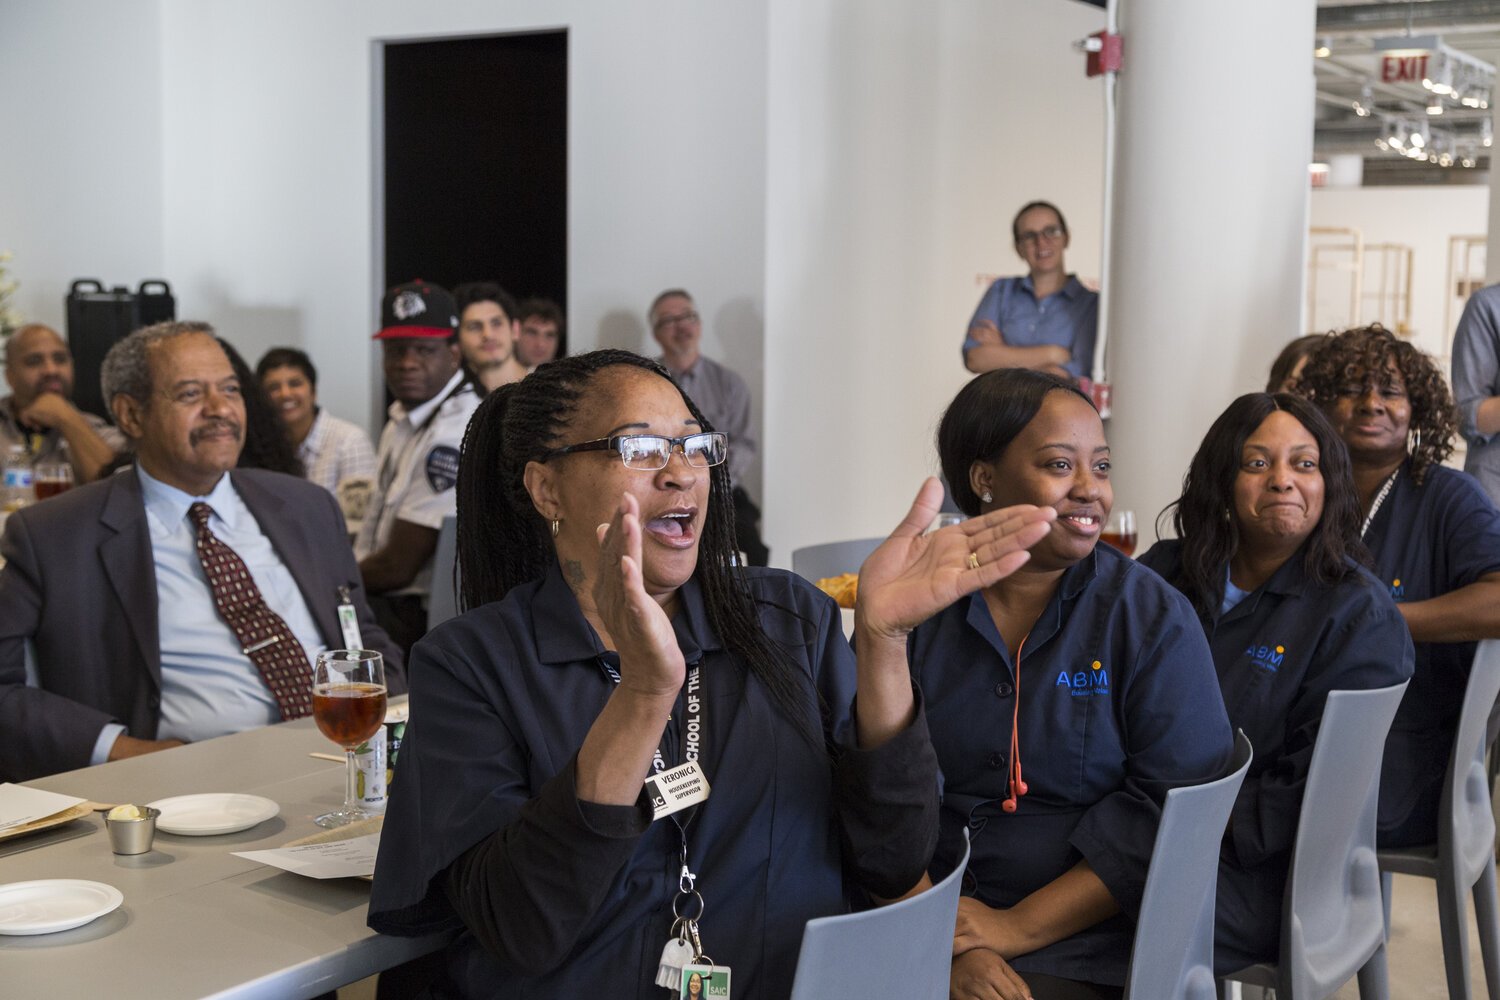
pixel 1355 108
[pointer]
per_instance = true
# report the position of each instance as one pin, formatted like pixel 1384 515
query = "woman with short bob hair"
pixel 1268 551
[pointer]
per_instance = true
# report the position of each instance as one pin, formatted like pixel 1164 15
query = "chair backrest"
pixel 1173 956
pixel 442 599
pixel 814 562
pixel 902 950
pixel 1334 916
pixel 1466 831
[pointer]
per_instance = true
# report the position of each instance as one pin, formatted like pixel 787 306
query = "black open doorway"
pixel 476 158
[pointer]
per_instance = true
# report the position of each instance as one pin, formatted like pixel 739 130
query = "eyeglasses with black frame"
pixel 1029 238
pixel 652 452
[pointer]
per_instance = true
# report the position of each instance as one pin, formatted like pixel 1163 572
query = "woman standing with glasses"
pixel 611 641
pixel 1045 320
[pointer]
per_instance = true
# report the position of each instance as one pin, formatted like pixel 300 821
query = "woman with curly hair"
pixel 1268 551
pixel 1435 540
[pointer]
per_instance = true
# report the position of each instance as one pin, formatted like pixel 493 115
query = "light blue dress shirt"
pixel 1476 377
pixel 1067 318
pixel 209 686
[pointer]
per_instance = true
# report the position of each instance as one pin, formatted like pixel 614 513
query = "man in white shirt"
pixel 417 460
pixel 137 648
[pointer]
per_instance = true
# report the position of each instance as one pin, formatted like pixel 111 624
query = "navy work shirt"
pixel 559 897
pixel 1278 653
pixel 1428 540
pixel 1119 704
pixel 1069 317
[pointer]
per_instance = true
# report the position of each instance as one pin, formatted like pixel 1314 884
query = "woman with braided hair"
pixel 1435 541
pixel 612 642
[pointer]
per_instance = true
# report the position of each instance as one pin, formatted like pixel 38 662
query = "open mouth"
pixel 1081 523
pixel 673 528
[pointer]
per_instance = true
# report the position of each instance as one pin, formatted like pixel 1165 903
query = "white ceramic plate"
pixel 212 813
pixel 54 904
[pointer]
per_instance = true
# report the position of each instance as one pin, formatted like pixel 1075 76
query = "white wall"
pixel 81 157
pixel 1423 218
pixel 901 139
pixel 269 194
pixel 230 148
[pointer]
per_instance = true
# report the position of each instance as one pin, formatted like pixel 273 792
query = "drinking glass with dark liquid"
pixel 349 707
pixel 51 478
pixel 1120 532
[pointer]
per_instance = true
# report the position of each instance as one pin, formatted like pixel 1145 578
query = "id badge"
pixel 676 789
pixel 349 621
pixel 702 982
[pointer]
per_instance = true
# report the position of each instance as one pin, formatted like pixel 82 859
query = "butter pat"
pixel 124 812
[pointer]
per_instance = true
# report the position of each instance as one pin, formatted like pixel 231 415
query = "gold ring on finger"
pixel 973 561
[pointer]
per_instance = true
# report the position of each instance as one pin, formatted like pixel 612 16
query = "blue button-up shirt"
pixel 1476 377
pixel 209 687
pixel 1118 704
pixel 1067 318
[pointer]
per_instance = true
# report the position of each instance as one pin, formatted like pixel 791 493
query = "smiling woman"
pixel 1120 704
pixel 611 639
pixel 1268 551
pixel 1435 540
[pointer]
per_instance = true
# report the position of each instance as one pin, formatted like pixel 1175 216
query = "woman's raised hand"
pixel 913 576
pixel 651 662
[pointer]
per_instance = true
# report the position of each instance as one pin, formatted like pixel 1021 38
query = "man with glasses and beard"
pixel 175 601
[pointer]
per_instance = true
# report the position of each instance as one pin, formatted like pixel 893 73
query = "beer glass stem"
pixel 351 792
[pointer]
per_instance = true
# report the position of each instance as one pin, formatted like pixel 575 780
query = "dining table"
pixel 196 920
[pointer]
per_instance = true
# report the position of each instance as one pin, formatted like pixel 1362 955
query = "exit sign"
pixel 1405 67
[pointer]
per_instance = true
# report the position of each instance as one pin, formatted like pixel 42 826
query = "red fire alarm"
pixel 1105 53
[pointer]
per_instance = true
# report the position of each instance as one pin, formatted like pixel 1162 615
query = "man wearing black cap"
pixel 417 461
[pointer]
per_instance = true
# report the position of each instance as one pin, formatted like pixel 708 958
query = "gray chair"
pixel 1333 919
pixel 814 562
pixel 902 950
pixel 1463 859
pixel 442 599
pixel 1173 955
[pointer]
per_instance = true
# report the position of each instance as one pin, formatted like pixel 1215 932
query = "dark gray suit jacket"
pixel 80 582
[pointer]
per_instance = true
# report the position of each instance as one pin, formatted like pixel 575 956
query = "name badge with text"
pixel 676 788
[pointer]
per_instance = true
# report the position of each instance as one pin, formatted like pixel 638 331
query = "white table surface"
pixel 197 921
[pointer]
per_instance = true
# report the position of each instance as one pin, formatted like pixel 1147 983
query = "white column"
pixel 1209 224
pixel 1492 254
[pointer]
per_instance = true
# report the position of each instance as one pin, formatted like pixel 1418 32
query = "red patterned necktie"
pixel 261 632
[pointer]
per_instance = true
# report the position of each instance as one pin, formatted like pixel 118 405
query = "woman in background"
pixel 1268 551
pixel 1435 541
pixel 331 450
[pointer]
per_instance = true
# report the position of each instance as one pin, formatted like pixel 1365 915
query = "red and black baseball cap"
pixel 417 309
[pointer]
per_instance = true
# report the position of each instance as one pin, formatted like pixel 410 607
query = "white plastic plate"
pixel 212 813
pixel 54 904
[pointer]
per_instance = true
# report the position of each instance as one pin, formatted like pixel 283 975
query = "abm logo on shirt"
pixel 1082 683
pixel 1268 658
pixel 1398 592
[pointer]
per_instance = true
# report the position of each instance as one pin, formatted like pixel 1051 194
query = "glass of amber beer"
pixel 349 707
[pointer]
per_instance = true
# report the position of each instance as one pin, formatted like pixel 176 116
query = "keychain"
pixel 677 953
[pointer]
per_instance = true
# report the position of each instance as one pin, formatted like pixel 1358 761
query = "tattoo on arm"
pixel 573 570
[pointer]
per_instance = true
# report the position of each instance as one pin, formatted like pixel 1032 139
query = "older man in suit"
pixel 177 600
